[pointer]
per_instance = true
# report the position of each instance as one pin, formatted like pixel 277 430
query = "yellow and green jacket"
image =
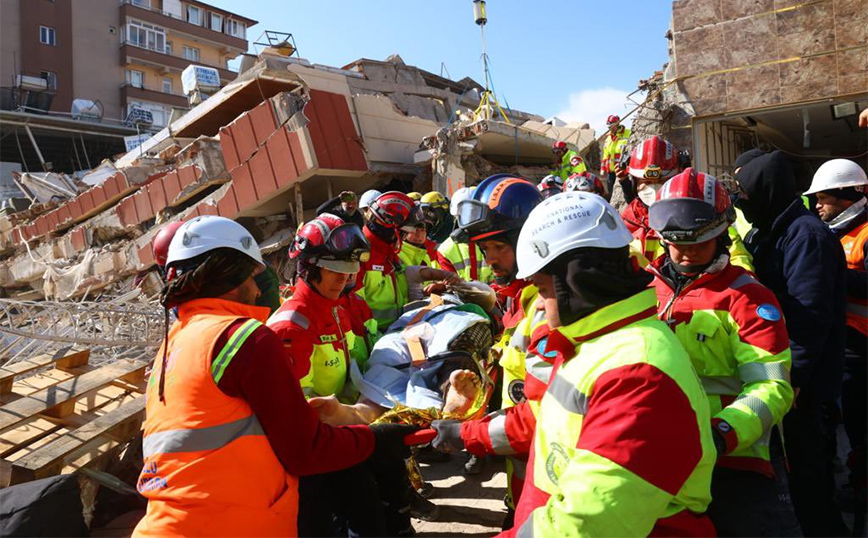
pixel 466 259
pixel 381 282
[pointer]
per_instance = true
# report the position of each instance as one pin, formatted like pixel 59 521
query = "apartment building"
pixel 126 54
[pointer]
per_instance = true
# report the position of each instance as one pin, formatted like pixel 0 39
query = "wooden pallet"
pixel 60 413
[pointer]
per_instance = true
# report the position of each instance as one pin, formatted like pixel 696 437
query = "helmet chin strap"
pixel 690 269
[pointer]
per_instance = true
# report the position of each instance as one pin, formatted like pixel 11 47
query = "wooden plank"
pixel 118 425
pixel 59 401
pixel 68 357
pixel 44 379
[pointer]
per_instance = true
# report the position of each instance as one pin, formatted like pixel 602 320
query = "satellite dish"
pixel 87 110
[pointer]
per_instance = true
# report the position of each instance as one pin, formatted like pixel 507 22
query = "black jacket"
pixel 333 206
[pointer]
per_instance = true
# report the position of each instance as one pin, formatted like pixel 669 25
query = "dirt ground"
pixel 469 505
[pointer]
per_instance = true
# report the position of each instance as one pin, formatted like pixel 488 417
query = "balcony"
pixel 129 91
pixel 166 20
pixel 130 51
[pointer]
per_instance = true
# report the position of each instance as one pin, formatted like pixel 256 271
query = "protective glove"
pixel 390 441
pixel 719 442
pixel 448 435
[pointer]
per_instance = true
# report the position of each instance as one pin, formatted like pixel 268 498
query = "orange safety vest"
pixel 854 248
pixel 208 467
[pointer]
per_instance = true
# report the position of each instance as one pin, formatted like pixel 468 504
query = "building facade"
pixel 123 53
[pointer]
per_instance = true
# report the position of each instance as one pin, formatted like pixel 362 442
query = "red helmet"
pixel 559 146
pixel 692 207
pixel 613 119
pixel 163 240
pixel 585 182
pixel 327 241
pixel 392 209
pixel 654 160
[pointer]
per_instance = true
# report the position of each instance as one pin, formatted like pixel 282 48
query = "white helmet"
pixel 464 193
pixel 368 197
pixel 565 222
pixel 837 174
pixel 207 233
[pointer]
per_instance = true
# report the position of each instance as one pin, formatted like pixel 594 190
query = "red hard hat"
pixel 613 119
pixel 392 209
pixel 163 240
pixel 559 145
pixel 330 242
pixel 692 207
pixel 653 160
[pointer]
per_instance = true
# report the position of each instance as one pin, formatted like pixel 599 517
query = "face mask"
pixel 648 193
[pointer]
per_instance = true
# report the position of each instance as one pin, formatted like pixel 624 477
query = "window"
pixel 46 36
pixel 51 78
pixel 168 47
pixel 142 3
pixel 191 53
pixel 216 22
pixel 146 36
pixel 194 15
pixel 236 28
pixel 135 78
pixel 167 85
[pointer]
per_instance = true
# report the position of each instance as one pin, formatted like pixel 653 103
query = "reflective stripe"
pixel 200 439
pixel 526 529
pixel 519 468
pixel 858 309
pixel 742 280
pixel 763 371
pixel 519 341
pixel 292 316
pixel 759 408
pixel 385 313
pixel 231 348
pixel 538 368
pixel 570 398
pixel 722 385
pixel 497 434
pixel 459 266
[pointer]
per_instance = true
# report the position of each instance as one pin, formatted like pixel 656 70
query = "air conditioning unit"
pixel 25 82
pixel 198 78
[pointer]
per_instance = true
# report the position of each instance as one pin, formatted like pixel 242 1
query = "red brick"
pixel 123 184
pixel 53 221
pixel 172 186
pixel 245 139
pixel 297 153
pixel 41 226
pixel 62 213
pixel 157 196
pixel 227 146
pixel 228 205
pixel 78 237
pixel 146 255
pixel 143 206
pixel 242 181
pixel 206 208
pixel 99 196
pixel 126 211
pixel 187 176
pixel 281 158
pixel 262 119
pixel 154 177
pixel 75 210
pixel 263 175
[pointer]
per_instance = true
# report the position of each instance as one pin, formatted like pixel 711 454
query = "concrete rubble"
pixel 267 149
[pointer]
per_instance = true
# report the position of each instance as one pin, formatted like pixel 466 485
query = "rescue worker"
pixel 416 248
pixel 551 185
pixel 732 328
pixel 493 218
pixel 458 254
pixel 623 443
pixel 585 182
pixel 226 419
pixel 652 162
pixel 345 206
pixel 435 209
pixel 365 202
pixel 801 261
pixel 615 146
pixel 567 161
pixel 840 186
pixel 161 245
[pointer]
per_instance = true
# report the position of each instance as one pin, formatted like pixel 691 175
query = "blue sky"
pixel 574 58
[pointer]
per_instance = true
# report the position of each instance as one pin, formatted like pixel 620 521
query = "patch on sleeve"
pixel 575 160
pixel 768 312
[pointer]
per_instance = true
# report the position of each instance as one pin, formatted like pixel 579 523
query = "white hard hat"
pixel 368 197
pixel 565 222
pixel 464 193
pixel 837 174
pixel 207 233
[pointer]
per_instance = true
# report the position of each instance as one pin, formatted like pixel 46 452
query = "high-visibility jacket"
pixel 364 327
pixel 733 330
pixel 208 467
pixel 854 250
pixel 318 333
pixel 649 243
pixel 623 443
pixel 613 150
pixel 381 282
pixel 466 259
pixel 571 163
pixel 411 254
